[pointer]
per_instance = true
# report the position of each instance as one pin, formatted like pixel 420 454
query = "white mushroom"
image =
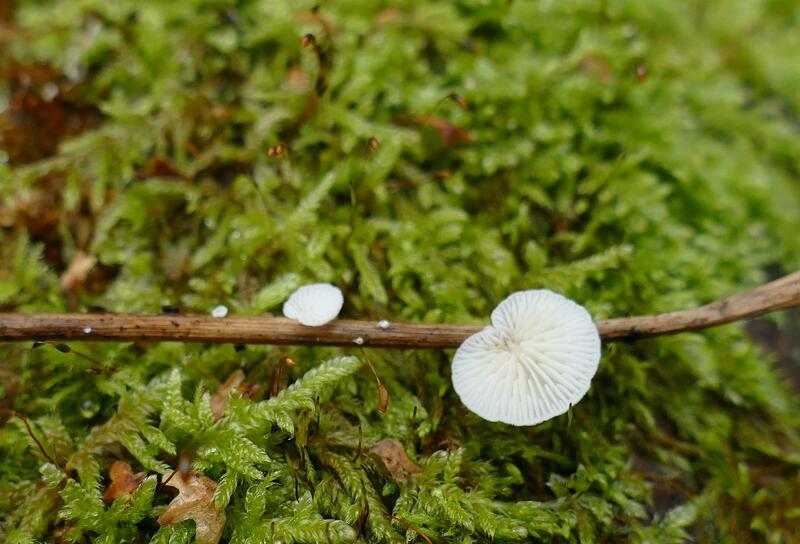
pixel 314 304
pixel 219 311
pixel 536 359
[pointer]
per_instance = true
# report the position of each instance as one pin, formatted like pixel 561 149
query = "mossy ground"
pixel 638 156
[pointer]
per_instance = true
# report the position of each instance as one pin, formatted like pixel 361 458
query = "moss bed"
pixel 429 158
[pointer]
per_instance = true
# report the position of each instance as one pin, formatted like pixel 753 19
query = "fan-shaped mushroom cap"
pixel 536 359
pixel 314 304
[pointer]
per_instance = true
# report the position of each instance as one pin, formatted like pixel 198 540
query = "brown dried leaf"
pixel 195 501
pixel 219 400
pixel 123 481
pixel 75 275
pixel 394 456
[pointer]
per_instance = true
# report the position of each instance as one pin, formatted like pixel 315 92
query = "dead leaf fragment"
pixel 220 399
pixel 123 481
pixel 195 501
pixel 75 275
pixel 394 456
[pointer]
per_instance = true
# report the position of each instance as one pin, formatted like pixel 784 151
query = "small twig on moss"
pixel 320 86
pixel 777 295
pixel 39 445
pixel 407 525
pixel 383 393
pixel 166 481
pixel 96 366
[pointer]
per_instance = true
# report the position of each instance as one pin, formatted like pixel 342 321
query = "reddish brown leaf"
pixel 394 456
pixel 123 481
pixel 219 400
pixel 195 501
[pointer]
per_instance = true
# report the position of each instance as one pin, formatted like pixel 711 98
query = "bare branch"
pixel 777 295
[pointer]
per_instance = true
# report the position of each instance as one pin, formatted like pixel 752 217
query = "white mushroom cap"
pixel 314 304
pixel 536 359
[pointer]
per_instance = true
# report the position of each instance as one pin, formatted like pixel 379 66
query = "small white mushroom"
pixel 219 311
pixel 315 304
pixel 536 359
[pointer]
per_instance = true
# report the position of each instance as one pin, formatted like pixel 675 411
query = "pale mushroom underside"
pixel 536 359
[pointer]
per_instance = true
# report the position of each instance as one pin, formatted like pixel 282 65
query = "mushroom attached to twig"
pixel 534 362
pixel 315 304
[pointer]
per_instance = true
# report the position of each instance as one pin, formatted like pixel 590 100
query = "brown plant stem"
pixel 29 429
pixel 777 295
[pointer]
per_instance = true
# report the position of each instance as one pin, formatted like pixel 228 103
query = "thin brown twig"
pixel 39 445
pixel 165 482
pixel 407 525
pixel 383 393
pixel 777 295
pixel 96 367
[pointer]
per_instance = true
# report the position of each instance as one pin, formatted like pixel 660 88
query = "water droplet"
pixel 87 330
pixel 89 408
pixel 236 235
pixel 220 311
pixel 359 341
pixel 383 324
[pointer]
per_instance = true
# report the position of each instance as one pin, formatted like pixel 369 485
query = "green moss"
pixel 638 156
